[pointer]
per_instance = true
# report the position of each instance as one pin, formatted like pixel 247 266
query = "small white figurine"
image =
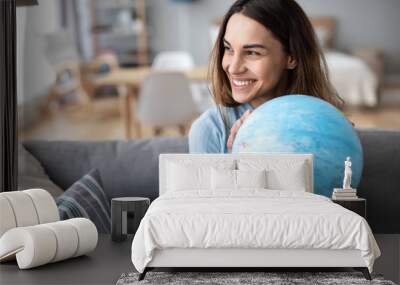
pixel 347 174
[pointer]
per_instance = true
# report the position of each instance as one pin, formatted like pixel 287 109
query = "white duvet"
pixel 250 219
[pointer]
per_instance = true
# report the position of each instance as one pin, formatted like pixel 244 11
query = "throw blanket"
pixel 250 219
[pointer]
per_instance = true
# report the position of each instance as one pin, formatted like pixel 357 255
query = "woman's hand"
pixel 235 128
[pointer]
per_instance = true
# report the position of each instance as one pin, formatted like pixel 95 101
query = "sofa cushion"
pixel 86 199
pixel 31 174
pixel 128 168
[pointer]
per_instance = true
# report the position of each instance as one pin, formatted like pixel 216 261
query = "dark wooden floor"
pixel 106 264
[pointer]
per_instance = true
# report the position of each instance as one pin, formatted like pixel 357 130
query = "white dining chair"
pixel 182 61
pixel 165 101
pixel 173 61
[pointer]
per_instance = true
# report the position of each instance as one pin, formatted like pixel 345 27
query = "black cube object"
pixel 126 214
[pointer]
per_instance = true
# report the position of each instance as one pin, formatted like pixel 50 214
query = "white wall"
pixel 35 75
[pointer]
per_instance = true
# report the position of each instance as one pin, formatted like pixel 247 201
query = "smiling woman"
pixel 265 49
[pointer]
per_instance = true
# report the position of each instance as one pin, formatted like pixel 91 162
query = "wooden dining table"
pixel 128 82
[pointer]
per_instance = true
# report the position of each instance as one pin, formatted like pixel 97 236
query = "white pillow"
pixel 251 178
pixel 282 174
pixel 193 174
pixel 293 179
pixel 225 179
pixel 187 177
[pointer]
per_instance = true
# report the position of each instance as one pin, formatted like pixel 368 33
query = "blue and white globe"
pixel 305 124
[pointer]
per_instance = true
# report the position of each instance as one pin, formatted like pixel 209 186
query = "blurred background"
pixel 122 69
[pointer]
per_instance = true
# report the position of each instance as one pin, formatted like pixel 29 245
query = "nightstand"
pixel 357 205
pixel 126 214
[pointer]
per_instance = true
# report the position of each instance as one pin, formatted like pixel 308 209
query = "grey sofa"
pixel 130 168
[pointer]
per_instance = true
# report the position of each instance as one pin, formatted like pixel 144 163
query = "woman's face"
pixel 254 61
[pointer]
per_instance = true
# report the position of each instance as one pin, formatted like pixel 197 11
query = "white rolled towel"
pixel 26 208
pixel 45 206
pixel 40 244
pixel 7 218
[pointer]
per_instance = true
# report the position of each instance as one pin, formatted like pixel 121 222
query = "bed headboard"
pixel 165 159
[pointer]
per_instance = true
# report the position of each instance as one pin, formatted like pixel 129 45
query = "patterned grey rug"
pixel 243 278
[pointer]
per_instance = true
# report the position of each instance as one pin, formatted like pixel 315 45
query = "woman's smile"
pixel 244 88
pixel 242 84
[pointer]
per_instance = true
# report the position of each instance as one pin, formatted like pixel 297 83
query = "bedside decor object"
pixel 86 199
pixel 126 214
pixel 46 243
pixel 347 174
pixel 345 193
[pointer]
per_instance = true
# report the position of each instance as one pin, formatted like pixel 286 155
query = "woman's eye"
pixel 252 52
pixel 226 48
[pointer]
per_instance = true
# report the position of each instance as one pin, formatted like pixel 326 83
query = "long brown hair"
pixel 290 25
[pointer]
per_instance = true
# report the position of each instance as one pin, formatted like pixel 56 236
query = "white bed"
pixel 352 78
pixel 250 226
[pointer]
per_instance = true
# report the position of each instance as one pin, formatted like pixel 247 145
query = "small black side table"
pixel 357 205
pixel 126 214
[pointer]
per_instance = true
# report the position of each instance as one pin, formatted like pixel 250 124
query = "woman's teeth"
pixel 242 82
